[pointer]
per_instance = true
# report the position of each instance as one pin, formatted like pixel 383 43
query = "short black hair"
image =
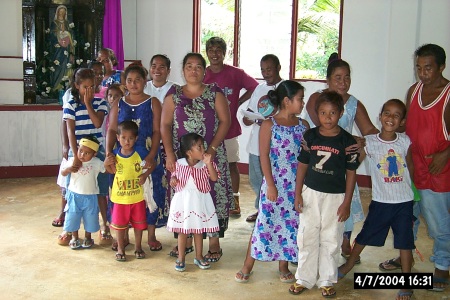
pixel 432 50
pixel 217 41
pixel 271 57
pixel 164 57
pixel 128 126
pixel 399 103
pixel 330 97
pixel 187 141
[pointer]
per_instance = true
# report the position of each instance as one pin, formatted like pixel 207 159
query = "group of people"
pixel 171 151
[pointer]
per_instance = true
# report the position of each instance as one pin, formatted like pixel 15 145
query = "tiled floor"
pixel 33 266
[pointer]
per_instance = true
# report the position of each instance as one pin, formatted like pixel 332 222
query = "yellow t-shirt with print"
pixel 126 188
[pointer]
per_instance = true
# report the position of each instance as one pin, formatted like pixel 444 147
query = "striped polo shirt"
pixel 83 124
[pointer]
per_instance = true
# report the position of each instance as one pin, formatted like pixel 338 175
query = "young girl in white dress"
pixel 192 209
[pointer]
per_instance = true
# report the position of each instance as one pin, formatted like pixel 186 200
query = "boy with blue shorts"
pixel 81 194
pixel 389 156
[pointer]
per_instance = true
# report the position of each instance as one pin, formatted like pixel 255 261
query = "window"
pixel 302 33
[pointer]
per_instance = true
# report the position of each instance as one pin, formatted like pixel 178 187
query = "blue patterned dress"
pixel 274 237
pixel 142 115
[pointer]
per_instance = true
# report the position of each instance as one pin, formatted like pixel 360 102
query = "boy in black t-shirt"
pixel 326 177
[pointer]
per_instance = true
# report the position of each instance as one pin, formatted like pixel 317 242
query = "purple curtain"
pixel 112 30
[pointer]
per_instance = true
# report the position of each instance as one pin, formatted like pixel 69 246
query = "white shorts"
pixel 232 146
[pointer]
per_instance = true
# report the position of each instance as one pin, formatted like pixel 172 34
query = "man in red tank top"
pixel 428 127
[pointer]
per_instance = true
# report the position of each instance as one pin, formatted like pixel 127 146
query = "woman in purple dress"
pixel 203 109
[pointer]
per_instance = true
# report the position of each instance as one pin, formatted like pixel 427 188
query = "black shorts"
pixel 381 217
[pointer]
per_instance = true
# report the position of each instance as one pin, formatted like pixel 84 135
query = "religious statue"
pixel 62 39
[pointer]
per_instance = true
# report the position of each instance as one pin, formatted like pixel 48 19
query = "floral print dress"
pixel 199 115
pixel 274 237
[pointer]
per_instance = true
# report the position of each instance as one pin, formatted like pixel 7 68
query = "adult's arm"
pixel 73 142
pixel 311 108
pixel 111 135
pixel 168 109
pixel 64 139
pixel 363 121
pixel 223 114
pixel 156 135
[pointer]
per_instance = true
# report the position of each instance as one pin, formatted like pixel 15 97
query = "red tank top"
pixel 425 126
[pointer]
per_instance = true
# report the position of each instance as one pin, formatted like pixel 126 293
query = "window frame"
pixel 294 34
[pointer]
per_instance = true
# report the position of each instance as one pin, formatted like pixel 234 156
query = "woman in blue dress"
pixel 145 111
pixel 339 80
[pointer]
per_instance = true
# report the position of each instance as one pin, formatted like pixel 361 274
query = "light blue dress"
pixel 346 122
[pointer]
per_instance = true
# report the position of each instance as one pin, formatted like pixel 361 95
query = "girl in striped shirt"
pixel 192 209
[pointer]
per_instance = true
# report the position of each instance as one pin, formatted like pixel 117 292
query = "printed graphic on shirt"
pixel 392 167
pixel 265 107
pixel 127 187
pixel 324 152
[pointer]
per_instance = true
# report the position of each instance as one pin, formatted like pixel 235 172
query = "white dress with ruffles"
pixel 192 211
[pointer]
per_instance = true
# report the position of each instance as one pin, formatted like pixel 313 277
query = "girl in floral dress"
pixel 274 237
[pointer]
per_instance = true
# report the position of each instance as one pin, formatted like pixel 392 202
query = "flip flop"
pixel 202 264
pixel 139 254
pixel 58 222
pixel 328 291
pixel 284 277
pixel 74 244
pixel 105 237
pixel 180 266
pixel 64 238
pixel 252 218
pixel 294 289
pixel 87 243
pixel 243 277
pixel 390 265
pixel 120 257
pixel 346 256
pixel 174 253
pixel 213 259
pixel 155 246
pixel 439 280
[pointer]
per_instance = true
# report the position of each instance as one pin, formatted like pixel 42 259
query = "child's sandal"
pixel 328 291
pixel 74 244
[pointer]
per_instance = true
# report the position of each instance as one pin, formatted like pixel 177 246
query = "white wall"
pixel 162 27
pixel 379 38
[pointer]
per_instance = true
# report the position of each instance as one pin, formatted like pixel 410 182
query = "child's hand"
pixel 343 212
pixel 298 204
pixel 272 193
pixel 150 164
pixel 110 161
pixel 173 182
pixel 361 141
pixel 207 158
pixel 89 95
pixel 142 179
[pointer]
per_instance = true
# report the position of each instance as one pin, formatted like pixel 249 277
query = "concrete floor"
pixel 33 266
